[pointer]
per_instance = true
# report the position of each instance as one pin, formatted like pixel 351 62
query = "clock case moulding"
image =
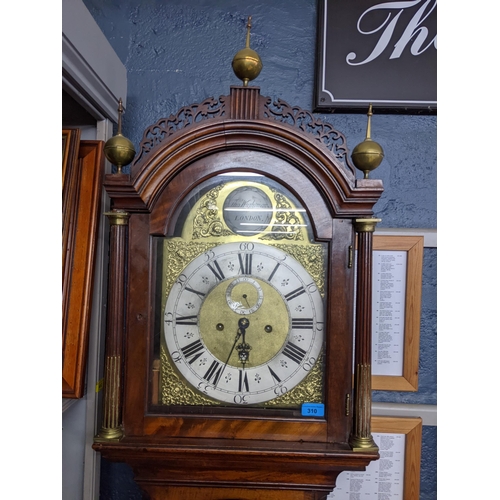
pixel 243 132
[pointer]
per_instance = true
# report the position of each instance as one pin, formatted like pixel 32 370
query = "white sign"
pixel 388 311
pixel 383 478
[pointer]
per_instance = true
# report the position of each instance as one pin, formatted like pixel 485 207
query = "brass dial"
pixel 269 322
pixel 244 323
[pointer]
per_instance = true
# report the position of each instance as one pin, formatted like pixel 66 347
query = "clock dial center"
pixel 262 302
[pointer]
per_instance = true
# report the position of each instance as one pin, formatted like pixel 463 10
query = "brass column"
pixel 112 406
pixel 361 438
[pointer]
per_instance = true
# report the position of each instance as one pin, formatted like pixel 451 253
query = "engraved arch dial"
pixel 243 323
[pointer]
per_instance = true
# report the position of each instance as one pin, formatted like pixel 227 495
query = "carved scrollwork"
pixel 188 115
pixel 278 110
pixel 304 120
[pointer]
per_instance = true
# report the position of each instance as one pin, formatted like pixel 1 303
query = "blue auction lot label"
pixel 313 410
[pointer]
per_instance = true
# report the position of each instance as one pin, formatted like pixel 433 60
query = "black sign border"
pixel 360 105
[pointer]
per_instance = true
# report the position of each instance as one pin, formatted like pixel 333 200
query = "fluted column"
pixel 244 103
pixel 113 364
pixel 361 438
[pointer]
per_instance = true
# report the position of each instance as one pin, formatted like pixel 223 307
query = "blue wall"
pixel 179 52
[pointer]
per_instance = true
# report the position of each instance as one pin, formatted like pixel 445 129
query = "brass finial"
pixel 119 150
pixel 246 63
pixel 367 155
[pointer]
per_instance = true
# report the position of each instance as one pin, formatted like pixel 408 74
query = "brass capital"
pixel 117 217
pixel 366 225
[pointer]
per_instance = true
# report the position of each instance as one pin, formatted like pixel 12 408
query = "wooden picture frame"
pixel 82 168
pixel 411 428
pixel 414 246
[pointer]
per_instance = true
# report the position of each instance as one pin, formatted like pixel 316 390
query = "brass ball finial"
pixel 119 150
pixel 367 155
pixel 246 63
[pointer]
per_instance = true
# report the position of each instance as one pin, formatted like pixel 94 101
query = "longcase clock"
pixel 230 338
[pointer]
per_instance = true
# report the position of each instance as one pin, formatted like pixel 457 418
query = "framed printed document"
pixel 396 296
pixel 396 475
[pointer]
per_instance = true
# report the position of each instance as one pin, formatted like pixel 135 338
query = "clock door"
pixel 241 292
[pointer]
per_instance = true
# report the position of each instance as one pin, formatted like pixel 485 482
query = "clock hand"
pixel 246 300
pixel 243 324
pixel 243 348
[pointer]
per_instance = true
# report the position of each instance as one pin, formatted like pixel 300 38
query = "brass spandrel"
pixel 174 390
pixel 177 253
pixel 312 257
pixel 207 217
pixel 310 390
pixel 288 222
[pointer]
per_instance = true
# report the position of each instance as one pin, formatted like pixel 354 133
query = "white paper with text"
pixel 388 311
pixel 383 478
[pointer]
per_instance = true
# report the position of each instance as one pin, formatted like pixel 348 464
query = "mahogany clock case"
pixel 181 159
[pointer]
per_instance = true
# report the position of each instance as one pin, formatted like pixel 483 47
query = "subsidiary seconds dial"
pixel 244 295
pixel 244 323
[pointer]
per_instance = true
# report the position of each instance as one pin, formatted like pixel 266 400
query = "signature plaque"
pixel 247 211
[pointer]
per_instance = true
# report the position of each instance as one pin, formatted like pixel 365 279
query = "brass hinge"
pixel 347 404
pixel 349 263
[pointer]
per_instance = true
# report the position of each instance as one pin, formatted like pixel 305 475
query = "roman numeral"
pixel 274 271
pixel 275 377
pixel 193 351
pixel 214 372
pixel 200 294
pixel 186 320
pixel 245 265
pixel 243 382
pixel 217 271
pixel 294 352
pixel 295 293
pixel 302 323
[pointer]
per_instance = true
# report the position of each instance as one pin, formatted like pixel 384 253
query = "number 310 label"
pixel 313 410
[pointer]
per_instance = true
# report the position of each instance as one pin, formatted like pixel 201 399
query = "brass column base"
pixel 363 443
pixel 106 435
